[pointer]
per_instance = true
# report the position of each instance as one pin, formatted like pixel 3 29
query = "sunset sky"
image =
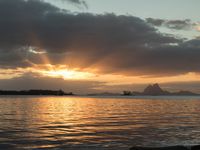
pixel 99 45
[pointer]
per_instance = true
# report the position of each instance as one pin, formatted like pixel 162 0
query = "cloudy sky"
pixel 89 46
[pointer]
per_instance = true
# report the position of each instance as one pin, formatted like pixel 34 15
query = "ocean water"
pixel 102 123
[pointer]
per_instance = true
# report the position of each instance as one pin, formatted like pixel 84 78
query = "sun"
pixel 67 74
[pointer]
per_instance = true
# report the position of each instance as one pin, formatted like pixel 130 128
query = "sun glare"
pixel 67 74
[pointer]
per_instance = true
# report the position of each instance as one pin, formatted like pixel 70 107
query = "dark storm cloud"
pixel 114 44
pixel 155 22
pixel 77 2
pixel 171 24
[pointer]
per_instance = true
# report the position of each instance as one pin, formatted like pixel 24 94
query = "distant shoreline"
pixel 179 147
pixel 35 92
pixel 19 93
pixel 151 90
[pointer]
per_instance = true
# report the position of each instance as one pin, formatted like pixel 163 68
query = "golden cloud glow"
pixel 198 28
pixel 60 71
pixel 10 73
pixel 66 73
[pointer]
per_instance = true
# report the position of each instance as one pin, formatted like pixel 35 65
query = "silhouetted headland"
pixel 197 147
pixel 36 92
pixel 156 90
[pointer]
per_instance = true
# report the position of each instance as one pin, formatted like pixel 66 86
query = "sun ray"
pixel 43 56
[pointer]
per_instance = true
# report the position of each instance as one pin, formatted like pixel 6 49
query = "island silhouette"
pixel 156 90
pixel 36 92
pixel 179 147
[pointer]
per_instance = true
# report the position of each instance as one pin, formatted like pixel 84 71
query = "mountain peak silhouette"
pixel 154 90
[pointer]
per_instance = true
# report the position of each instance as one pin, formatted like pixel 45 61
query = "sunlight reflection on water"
pixel 104 123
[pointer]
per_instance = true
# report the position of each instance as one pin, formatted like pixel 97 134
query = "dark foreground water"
pixel 98 123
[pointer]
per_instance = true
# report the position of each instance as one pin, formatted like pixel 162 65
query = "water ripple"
pixel 97 123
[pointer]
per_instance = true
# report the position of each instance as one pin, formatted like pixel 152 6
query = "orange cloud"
pixel 198 28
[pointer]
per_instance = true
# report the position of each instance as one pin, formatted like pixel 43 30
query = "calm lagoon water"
pixel 103 123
